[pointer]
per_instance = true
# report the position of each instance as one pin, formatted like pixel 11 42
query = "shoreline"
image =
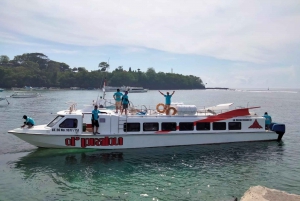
pixel 261 193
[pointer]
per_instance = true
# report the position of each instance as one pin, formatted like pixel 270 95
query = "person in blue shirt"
pixel 268 120
pixel 95 117
pixel 125 103
pixel 168 100
pixel 117 96
pixel 28 121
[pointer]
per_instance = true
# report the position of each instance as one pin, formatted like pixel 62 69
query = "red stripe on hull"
pixel 162 132
pixel 228 115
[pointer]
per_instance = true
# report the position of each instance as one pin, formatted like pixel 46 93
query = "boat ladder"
pixel 121 125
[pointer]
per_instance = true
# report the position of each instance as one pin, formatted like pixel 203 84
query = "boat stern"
pixel 279 129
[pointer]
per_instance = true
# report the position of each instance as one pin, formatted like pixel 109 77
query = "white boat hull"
pixel 73 129
pixel 126 141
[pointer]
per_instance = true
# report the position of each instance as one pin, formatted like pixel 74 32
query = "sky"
pixel 235 44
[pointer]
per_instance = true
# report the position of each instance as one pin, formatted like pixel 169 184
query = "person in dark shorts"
pixel 125 103
pixel 268 120
pixel 95 117
pixel 29 122
pixel 168 100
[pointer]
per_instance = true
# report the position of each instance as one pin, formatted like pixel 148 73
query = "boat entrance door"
pixel 104 123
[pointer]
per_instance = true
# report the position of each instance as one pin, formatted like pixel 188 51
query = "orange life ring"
pixel 172 108
pixel 159 110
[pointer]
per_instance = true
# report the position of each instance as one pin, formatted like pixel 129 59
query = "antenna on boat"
pixel 104 84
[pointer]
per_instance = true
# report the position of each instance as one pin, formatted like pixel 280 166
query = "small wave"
pixel 266 91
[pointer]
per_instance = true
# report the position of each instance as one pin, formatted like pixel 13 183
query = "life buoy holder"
pixel 160 110
pixel 173 109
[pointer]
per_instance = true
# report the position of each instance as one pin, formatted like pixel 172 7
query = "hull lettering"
pixel 84 142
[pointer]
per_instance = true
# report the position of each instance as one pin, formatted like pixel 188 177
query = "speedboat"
pixel 125 88
pixel 110 88
pixel 1 89
pixel 136 90
pixel 24 94
pixel 182 125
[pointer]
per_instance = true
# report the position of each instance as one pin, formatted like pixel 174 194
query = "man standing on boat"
pixel 125 103
pixel 28 121
pixel 268 120
pixel 117 96
pixel 95 117
pixel 168 100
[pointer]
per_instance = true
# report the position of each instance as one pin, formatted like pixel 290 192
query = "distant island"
pixel 37 70
pixel 217 88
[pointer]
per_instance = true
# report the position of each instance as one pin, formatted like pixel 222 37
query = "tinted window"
pixel 186 126
pixel 57 119
pixel 219 126
pixel 234 126
pixel 202 126
pixel 69 123
pixel 168 126
pixel 150 126
pixel 132 127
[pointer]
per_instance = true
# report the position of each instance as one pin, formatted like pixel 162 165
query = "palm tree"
pixel 103 66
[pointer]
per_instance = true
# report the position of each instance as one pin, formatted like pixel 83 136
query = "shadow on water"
pixel 127 161
pixel 209 172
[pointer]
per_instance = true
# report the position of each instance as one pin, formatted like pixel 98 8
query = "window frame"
pixel 149 126
pixel 186 124
pixel 55 121
pixel 125 127
pixel 236 128
pixel 169 123
pixel 219 123
pixel 205 126
pixel 69 119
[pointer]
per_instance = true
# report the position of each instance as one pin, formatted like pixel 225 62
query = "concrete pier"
pixel 261 193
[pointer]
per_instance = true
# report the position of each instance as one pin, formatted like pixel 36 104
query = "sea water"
pixel 198 172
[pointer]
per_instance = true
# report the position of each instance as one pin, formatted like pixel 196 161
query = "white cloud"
pixel 133 50
pixel 247 77
pixel 56 51
pixel 253 31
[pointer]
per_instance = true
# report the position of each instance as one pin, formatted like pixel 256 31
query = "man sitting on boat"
pixel 268 120
pixel 95 117
pixel 28 121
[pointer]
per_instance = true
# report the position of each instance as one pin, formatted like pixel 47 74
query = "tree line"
pixel 37 70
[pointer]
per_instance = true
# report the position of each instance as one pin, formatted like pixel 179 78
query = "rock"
pixel 261 193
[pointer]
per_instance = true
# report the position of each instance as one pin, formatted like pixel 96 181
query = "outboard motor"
pixel 279 129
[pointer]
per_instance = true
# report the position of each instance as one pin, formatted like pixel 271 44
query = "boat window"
pixel 186 126
pixel 202 126
pixel 69 123
pixel 168 126
pixel 132 127
pixel 234 125
pixel 219 125
pixel 150 126
pixel 54 121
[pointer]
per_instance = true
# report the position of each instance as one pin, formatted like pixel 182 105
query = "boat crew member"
pixel 268 120
pixel 168 100
pixel 28 121
pixel 125 103
pixel 117 96
pixel 95 122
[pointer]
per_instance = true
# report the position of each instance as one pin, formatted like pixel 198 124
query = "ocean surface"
pixel 201 172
